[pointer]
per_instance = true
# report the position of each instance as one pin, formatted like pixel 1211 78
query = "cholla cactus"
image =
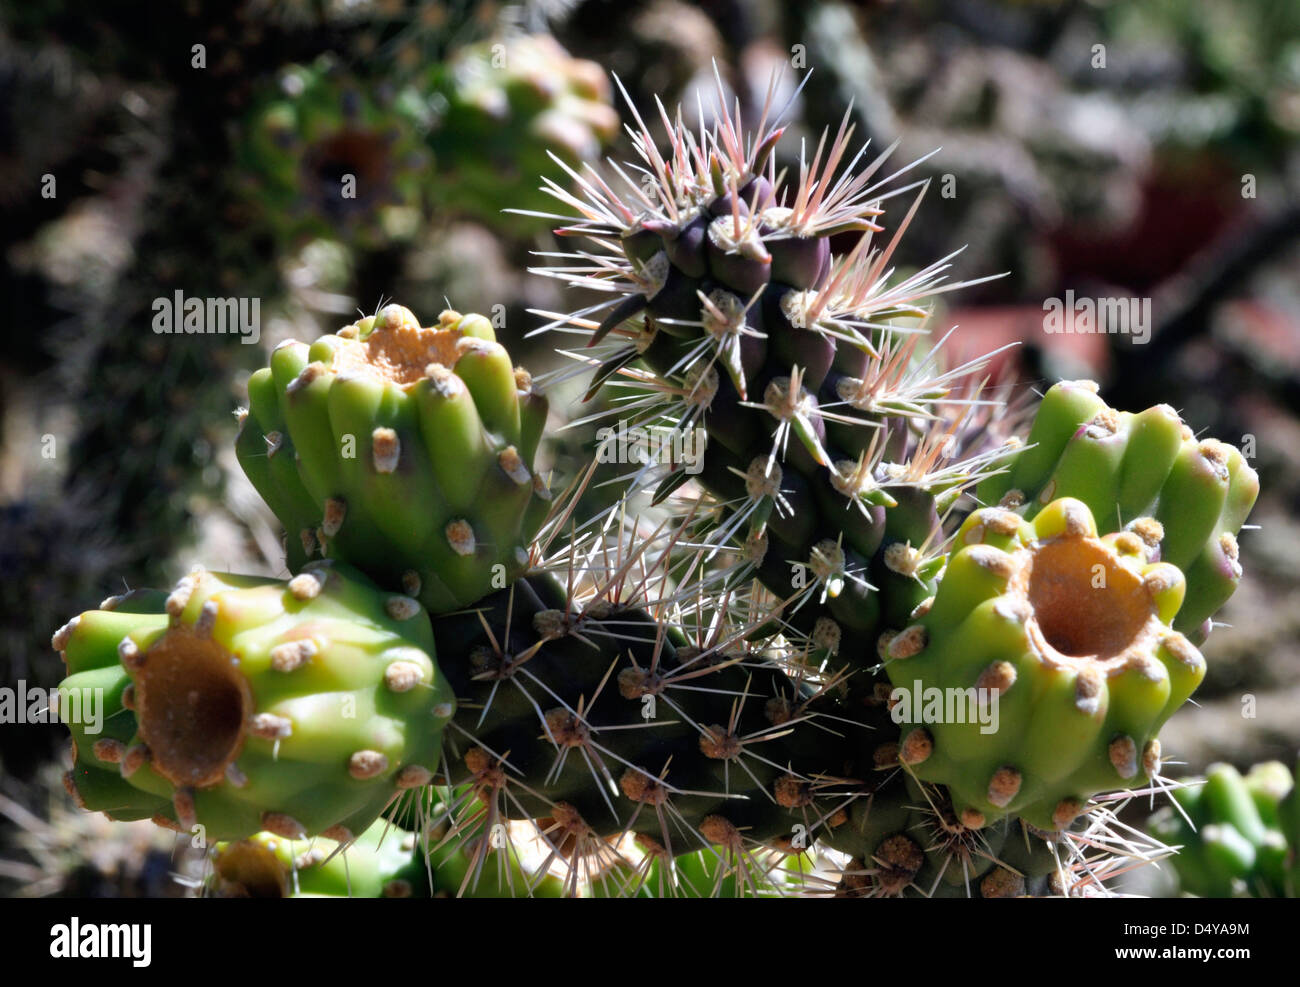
pixel 699 690
pixel 1238 835
pixel 324 154
pixel 497 113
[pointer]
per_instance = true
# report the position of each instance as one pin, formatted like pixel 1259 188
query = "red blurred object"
pixel 1185 205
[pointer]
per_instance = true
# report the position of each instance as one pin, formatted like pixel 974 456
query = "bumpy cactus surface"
pixel 1126 467
pixel 406 451
pixel 239 704
pixel 1068 633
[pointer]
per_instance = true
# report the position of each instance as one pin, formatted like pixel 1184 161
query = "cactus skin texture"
pixel 1244 834
pixel 905 841
pixel 558 702
pixel 405 451
pixel 241 704
pixel 1126 466
pixel 1072 633
pixel 510 103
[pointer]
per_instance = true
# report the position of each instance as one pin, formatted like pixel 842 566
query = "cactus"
pixel 735 677
pixel 1066 637
pixel 382 862
pixel 324 154
pixel 241 704
pixel 830 429
pixel 1237 835
pixel 1127 466
pixel 504 107
pixel 378 863
pixel 406 451
pixel 905 840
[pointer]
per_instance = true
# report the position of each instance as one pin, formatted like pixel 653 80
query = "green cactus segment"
pixel 597 719
pixel 501 108
pixel 405 451
pixel 1238 835
pixel 1065 636
pixel 239 704
pixel 1124 466
pixel 326 154
pixel 382 862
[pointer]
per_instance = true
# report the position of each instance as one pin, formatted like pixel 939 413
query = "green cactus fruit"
pixel 906 841
pixel 326 154
pixel 1044 667
pixel 504 107
pixel 239 704
pixel 382 862
pixel 1126 466
pixel 601 721
pixel 1234 834
pixel 405 451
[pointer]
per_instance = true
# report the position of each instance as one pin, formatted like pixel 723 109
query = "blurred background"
pixel 1129 149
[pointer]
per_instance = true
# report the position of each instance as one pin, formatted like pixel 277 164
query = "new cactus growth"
pixel 1065 636
pixel 238 704
pixel 1237 834
pixel 404 450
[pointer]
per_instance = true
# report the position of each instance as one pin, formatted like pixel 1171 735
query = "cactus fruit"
pixel 405 451
pixel 507 106
pixel 325 155
pixel 1043 669
pixel 1126 466
pixel 1237 835
pixel 241 704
